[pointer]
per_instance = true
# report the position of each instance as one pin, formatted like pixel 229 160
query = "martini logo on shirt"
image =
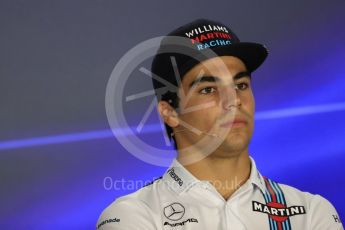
pixel 277 211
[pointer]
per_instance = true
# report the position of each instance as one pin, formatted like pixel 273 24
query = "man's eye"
pixel 207 90
pixel 242 86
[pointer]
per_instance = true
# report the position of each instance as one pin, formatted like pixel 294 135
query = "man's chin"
pixel 235 143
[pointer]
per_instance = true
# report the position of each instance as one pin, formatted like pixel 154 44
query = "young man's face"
pixel 216 95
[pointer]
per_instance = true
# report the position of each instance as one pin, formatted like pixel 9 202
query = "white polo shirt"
pixel 180 201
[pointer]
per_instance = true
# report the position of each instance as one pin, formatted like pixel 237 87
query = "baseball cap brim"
pixel 252 54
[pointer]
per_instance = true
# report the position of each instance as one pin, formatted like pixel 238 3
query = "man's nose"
pixel 229 97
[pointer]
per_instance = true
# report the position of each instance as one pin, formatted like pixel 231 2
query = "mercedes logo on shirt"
pixel 174 211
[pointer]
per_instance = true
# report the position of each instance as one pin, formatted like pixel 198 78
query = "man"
pixel 213 183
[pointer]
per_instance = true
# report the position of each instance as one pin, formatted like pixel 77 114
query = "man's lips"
pixel 236 122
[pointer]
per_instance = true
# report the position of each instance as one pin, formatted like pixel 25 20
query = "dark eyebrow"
pixel 204 79
pixel 241 75
pixel 217 79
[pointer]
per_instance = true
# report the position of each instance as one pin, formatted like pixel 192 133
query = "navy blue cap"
pixel 197 38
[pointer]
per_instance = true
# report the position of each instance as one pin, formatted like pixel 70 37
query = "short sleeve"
pixel 128 214
pixel 323 215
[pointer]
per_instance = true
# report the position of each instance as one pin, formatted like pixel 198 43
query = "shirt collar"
pixel 180 179
pixel 255 176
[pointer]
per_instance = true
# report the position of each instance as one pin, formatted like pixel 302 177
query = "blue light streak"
pixel 102 134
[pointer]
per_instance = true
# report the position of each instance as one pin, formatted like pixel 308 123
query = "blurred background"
pixel 60 164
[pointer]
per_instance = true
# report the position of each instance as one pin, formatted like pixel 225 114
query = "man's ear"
pixel 168 114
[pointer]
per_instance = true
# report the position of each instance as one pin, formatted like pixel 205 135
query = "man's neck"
pixel 226 174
